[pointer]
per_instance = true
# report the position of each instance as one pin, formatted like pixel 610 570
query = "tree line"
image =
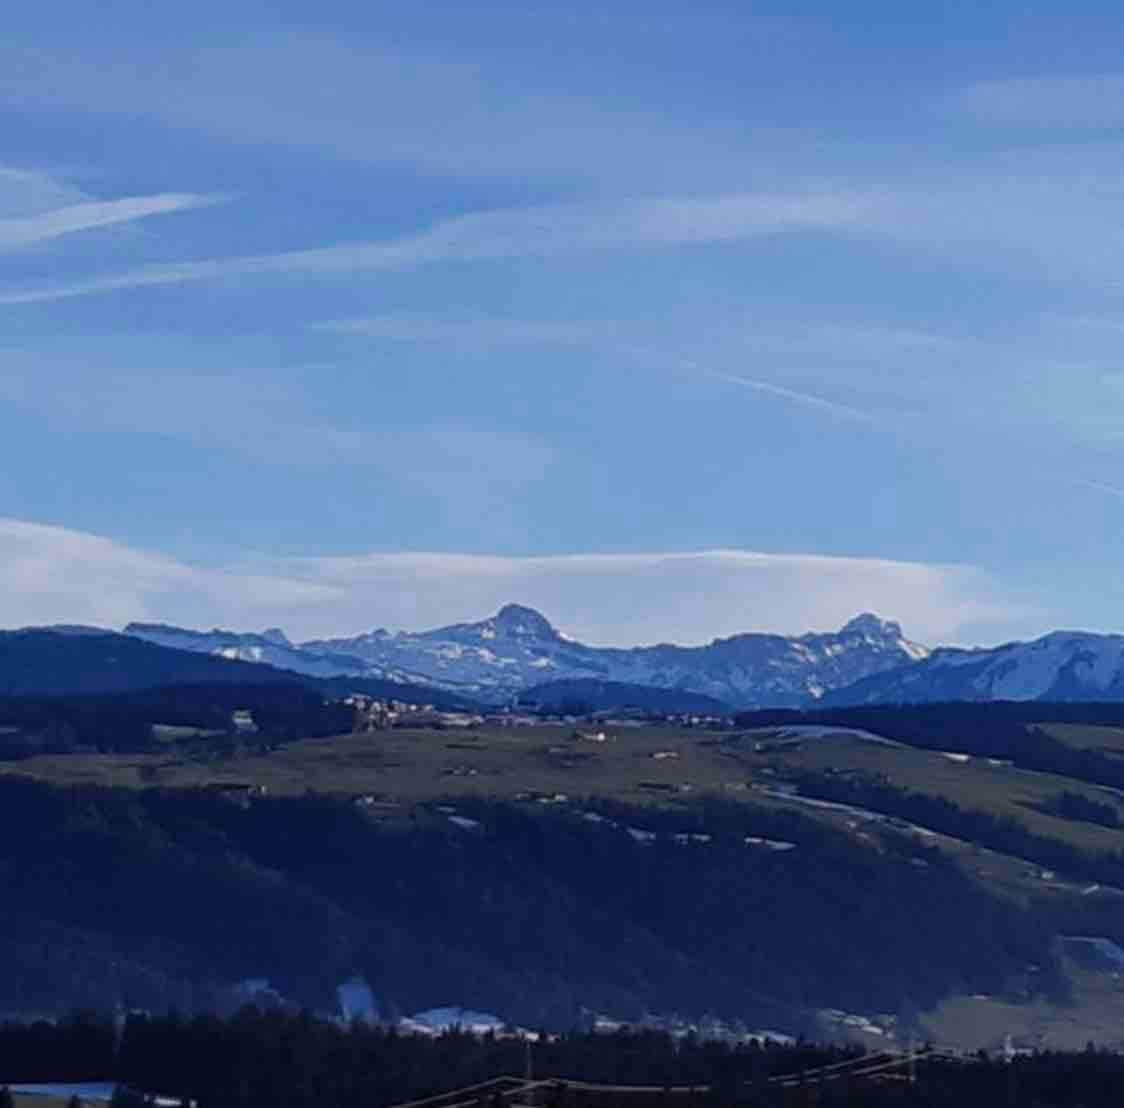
pixel 123 723
pixel 1009 730
pixel 258 1059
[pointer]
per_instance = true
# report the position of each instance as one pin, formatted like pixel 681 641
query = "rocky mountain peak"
pixel 868 624
pixel 518 647
pixel 517 619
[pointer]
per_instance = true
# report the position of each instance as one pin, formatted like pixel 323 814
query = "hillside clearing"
pixel 393 771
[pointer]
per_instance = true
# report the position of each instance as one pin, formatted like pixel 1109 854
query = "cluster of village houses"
pixel 372 714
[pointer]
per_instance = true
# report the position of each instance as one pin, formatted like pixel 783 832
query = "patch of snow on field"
pixel 435 1021
pixel 823 731
pixel 769 844
pixel 778 1037
pixel 90 1090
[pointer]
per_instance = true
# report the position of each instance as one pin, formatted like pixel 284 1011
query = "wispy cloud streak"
pixel 1095 486
pixel 806 400
pixel 92 215
pixel 543 231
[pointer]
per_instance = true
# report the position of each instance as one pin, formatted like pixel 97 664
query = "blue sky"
pixel 676 320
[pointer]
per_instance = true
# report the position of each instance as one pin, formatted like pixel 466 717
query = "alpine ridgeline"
pixel 1061 666
pixel 519 648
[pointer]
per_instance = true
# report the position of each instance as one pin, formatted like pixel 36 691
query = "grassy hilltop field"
pixel 638 764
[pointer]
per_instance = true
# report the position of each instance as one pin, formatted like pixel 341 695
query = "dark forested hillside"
pixel 126 722
pixel 151 898
pixel 83 662
pixel 43 662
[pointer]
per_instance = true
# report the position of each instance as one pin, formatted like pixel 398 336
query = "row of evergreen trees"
pixel 263 1060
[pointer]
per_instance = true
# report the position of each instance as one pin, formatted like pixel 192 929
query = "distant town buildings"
pixel 374 714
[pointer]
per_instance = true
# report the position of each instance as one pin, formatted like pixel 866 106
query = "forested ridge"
pixel 123 723
pixel 1010 730
pixel 1002 834
pixel 88 662
pixel 149 898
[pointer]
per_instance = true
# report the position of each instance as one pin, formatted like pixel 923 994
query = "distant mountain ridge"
pixel 60 661
pixel 68 661
pixel 1060 666
pixel 270 647
pixel 518 648
pixel 499 659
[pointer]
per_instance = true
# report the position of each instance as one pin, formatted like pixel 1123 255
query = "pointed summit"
pixel 884 635
pixel 516 619
pixel 867 623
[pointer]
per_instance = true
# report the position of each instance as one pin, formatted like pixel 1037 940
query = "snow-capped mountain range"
pixel 498 658
pixel 867 661
pixel 270 647
pixel 1064 665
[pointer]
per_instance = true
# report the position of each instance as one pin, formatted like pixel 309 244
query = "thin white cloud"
pixel 51 574
pixel 804 399
pixel 57 575
pixel 545 231
pixel 492 332
pixel 998 212
pixel 1097 486
pixel 90 215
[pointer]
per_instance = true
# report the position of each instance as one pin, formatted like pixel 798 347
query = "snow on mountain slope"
pixel 1064 665
pixel 271 647
pixel 518 647
pixel 754 670
pixel 512 650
